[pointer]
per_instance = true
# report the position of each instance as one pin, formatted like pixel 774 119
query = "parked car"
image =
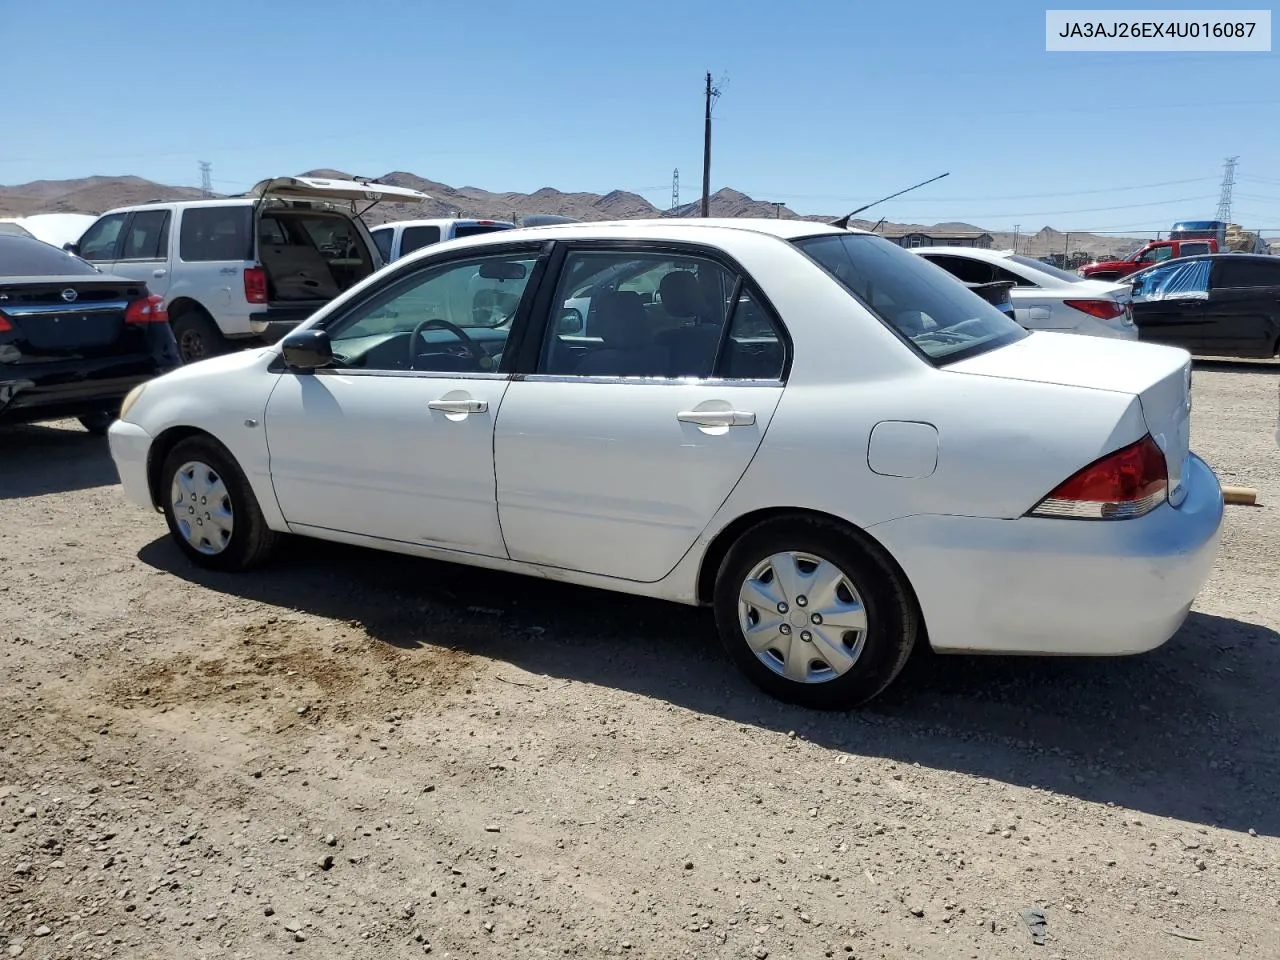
pixel 399 237
pixel 831 443
pixel 244 269
pixel 73 340
pixel 1044 297
pixel 1157 251
pixel 1224 304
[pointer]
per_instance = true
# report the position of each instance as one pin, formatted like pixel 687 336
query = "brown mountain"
pixel 96 194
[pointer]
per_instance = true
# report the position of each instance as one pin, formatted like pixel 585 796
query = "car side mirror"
pixel 72 248
pixel 570 321
pixel 307 349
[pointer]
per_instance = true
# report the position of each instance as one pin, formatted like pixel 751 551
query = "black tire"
pixel 98 423
pixel 892 619
pixel 251 540
pixel 197 335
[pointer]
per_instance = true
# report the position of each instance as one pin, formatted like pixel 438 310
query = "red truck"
pixel 1153 252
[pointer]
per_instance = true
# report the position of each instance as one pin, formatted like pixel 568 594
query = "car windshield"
pixel 1048 268
pixel 937 313
pixel 27 257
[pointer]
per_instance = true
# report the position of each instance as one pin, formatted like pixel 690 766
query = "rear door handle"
pixel 717 418
pixel 458 406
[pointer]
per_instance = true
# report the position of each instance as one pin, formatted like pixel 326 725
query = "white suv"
pixel 399 237
pixel 244 268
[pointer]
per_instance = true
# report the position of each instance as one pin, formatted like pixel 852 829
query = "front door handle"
pixel 458 406
pixel 159 273
pixel 717 418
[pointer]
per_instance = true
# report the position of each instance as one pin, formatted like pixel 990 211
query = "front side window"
pixel 147 237
pixel 648 314
pixel 450 318
pixel 1156 255
pixel 100 240
pixel 943 319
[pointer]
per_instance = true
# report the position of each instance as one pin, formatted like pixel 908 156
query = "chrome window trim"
pixel 418 374
pixel 650 381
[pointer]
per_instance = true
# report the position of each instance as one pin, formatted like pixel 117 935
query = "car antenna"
pixel 879 223
pixel 843 222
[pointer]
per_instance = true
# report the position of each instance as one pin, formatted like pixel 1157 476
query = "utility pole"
pixel 1228 181
pixel 206 178
pixel 1016 227
pixel 712 93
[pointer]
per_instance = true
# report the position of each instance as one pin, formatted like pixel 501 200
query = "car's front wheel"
pixel 211 510
pixel 812 615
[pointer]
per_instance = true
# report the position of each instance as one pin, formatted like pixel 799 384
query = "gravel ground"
pixel 351 754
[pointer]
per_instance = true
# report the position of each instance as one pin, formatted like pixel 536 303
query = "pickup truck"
pixel 1154 252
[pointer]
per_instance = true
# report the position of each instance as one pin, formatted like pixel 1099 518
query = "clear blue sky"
pixel 826 104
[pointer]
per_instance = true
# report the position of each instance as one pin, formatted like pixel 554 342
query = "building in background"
pixel 939 238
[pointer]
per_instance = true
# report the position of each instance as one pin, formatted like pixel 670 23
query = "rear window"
pixel 1049 268
pixel 935 312
pixel 216 233
pixel 472 230
pixel 22 256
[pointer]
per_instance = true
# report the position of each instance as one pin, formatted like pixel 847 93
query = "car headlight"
pixel 130 399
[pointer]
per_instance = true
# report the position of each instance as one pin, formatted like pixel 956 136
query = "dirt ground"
pixel 355 755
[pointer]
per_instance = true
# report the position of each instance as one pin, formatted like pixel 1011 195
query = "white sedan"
pixel 1044 297
pixel 836 446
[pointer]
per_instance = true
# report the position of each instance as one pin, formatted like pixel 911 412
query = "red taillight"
pixel 1101 309
pixel 5 325
pixel 147 310
pixel 255 284
pixel 1128 483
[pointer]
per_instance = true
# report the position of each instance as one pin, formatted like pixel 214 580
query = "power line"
pixel 1021 196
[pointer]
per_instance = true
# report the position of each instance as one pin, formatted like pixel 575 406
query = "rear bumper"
pixel 42 394
pixel 277 320
pixel 1061 587
pixel 130 449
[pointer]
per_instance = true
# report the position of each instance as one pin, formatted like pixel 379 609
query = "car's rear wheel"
pixel 211 510
pixel 813 615
pixel 197 335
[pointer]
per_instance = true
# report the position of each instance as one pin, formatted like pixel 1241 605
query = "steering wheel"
pixel 481 358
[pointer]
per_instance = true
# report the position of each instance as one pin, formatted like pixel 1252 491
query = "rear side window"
pixel 415 237
pixel 1247 273
pixel 23 256
pixel 962 268
pixel 216 233
pixel 942 318
pixel 147 237
pixel 382 240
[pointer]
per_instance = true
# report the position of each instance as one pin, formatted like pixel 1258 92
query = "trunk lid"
pixel 54 317
pixel 325 188
pixel 1159 376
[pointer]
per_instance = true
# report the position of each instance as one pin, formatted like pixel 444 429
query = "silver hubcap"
pixel 202 507
pixel 803 617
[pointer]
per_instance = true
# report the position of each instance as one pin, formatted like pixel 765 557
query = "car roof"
pixel 439 221
pixel 978 253
pixel 664 228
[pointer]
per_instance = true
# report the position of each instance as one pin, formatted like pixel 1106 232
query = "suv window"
pixel 216 233
pixel 638 314
pixel 943 319
pixel 414 237
pixel 147 237
pixel 1247 273
pixel 382 240
pixel 1193 249
pixel 100 240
